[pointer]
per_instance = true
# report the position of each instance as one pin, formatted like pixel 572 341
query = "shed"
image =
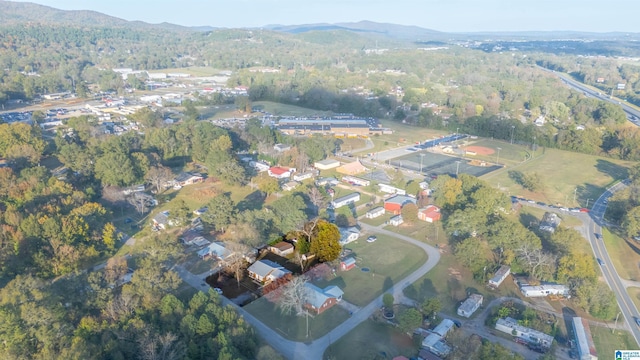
pixel 430 214
pixel 347 264
pixel 396 220
pixel 282 248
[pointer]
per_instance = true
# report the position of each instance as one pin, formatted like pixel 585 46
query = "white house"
pixel 216 250
pixel 375 212
pixel 259 166
pixel 396 220
pixel 584 341
pixel 386 188
pixel 326 164
pixel 345 200
pixel 500 275
pixel 280 172
pixel 266 271
pixel 544 290
pixel 470 305
pixel 349 234
pixel 444 327
pixel 281 147
pixel 303 176
pixel 436 345
pixel 510 326
pixel 290 185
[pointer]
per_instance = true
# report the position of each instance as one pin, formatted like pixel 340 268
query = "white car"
pixel 372 238
pixel 218 290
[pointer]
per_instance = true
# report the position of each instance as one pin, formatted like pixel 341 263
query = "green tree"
pixel 267 184
pixel 431 306
pixel 221 212
pixel 388 300
pixel 409 320
pixel 326 242
pixel 289 212
pixel 410 213
pixel 631 222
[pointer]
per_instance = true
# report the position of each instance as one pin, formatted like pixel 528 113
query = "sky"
pixel 441 15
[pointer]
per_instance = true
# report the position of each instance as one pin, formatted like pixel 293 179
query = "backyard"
pixel 372 340
pixel 379 260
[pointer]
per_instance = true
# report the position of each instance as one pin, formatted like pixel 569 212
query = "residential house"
pixel 345 200
pixel 161 220
pixel 353 168
pixel 326 164
pixel 320 300
pixel 266 271
pixel 303 176
pixel 544 290
pixel 424 185
pixel 349 234
pixel 396 220
pixel 533 337
pixel 436 345
pixel 444 327
pixel 327 181
pixel 215 250
pixel 356 181
pixel 347 264
pixel 282 248
pixel 431 214
pixel 187 178
pixel 132 189
pixel 499 276
pixel 290 185
pixel 550 222
pixel 259 166
pixel 281 147
pixel 386 188
pixel 584 341
pixel 470 305
pixel 396 203
pixel 280 172
pixel 375 212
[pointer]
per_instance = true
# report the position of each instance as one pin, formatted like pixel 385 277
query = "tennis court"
pixel 438 164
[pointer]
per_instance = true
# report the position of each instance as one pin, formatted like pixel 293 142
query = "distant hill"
pixel 403 32
pixel 12 13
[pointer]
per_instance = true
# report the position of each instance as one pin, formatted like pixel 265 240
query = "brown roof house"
pixel 282 248
pixel 353 168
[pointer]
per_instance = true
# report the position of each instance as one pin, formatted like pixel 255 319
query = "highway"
pixel 633 115
pixel 592 225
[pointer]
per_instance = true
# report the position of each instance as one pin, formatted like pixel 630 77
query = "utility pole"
pixel 457 167
pixel 512 129
pixel 575 191
pixel 616 325
pixel 498 157
pixel 421 157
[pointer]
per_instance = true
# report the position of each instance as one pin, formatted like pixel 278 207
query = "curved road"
pixel 315 349
pixel 591 229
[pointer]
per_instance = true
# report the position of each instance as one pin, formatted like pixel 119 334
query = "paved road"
pixel 592 223
pixel 315 350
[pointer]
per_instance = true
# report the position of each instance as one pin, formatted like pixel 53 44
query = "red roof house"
pixel 394 204
pixel 280 172
pixel 430 214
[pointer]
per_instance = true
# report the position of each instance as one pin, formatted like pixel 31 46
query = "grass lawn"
pixel 606 343
pixel 382 258
pixel 348 144
pixel 562 172
pixel 402 135
pixel 372 340
pixel 450 282
pixel 294 327
pixel 634 293
pixel 377 221
pixel 510 154
pixel 529 212
pixel 624 255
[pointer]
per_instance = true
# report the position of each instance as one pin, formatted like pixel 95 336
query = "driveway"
pixel 314 350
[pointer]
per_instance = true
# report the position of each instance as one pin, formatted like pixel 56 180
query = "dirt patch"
pixel 455 273
pixel 480 150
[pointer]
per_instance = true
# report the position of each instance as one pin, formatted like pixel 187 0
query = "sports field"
pixel 438 164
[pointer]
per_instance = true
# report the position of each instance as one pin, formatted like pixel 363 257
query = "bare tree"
pixel 317 199
pixel 302 161
pixel 115 196
pixel 115 269
pixel 160 347
pixel 235 263
pixel 158 176
pixel 121 306
pixel 293 298
pixel 300 259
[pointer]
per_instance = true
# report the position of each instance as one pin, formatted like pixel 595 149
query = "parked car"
pixel 575 210
pixel 564 209
pixel 218 290
pixel 372 238
pixel 584 210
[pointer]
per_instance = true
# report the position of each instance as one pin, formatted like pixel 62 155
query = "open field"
pixel 439 164
pixel 402 135
pixel 294 327
pixel 562 172
pixel 382 259
pixel 372 340
pixel 509 154
pixel 606 343
pixel 624 254
pixel 451 283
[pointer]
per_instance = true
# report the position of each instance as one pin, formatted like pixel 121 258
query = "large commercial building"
pixel 338 126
